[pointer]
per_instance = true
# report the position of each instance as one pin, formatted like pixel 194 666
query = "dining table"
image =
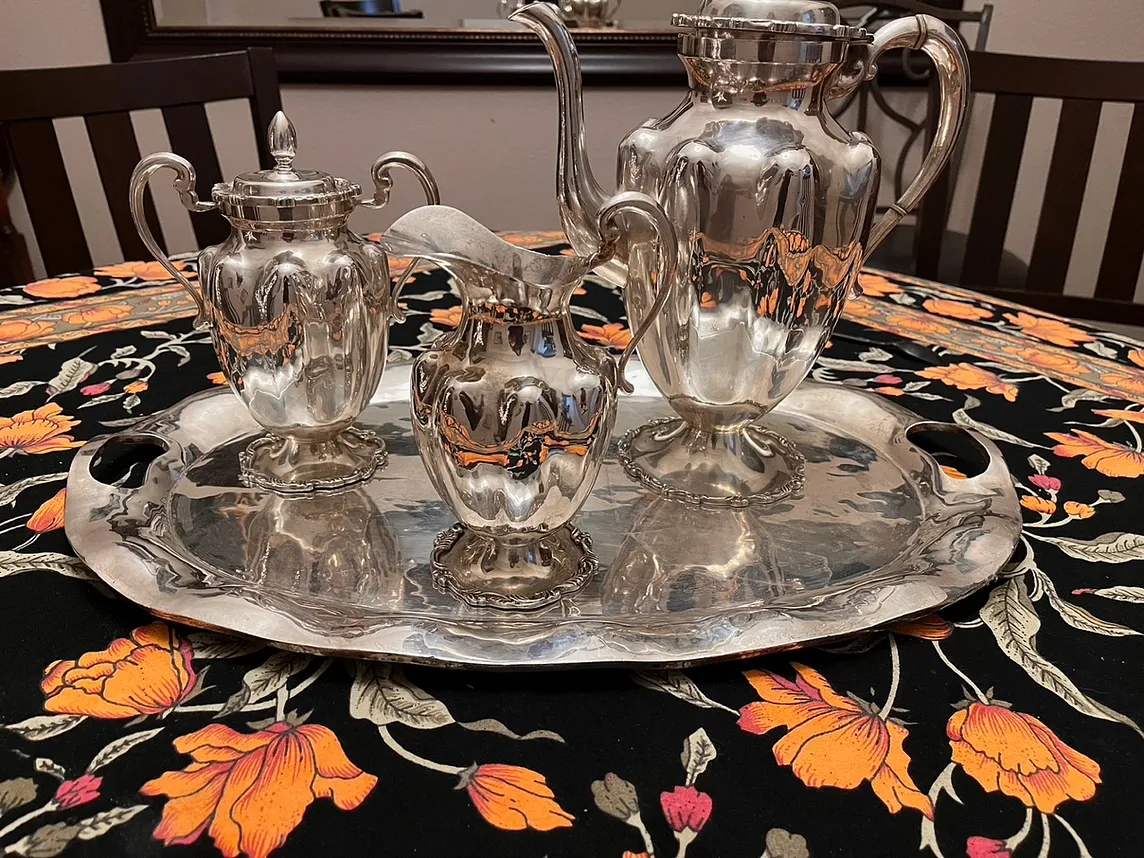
pixel 1006 724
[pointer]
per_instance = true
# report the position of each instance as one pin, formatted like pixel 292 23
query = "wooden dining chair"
pixel 1083 86
pixel 103 95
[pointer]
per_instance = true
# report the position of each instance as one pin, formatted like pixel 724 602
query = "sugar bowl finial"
pixel 282 141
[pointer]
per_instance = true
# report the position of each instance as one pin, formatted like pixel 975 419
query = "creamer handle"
pixel 641 204
pixel 184 183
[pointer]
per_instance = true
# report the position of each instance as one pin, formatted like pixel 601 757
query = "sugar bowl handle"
pixel 383 186
pixel 951 65
pixel 633 202
pixel 184 184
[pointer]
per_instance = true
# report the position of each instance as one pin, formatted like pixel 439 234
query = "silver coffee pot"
pixel 772 203
pixel 298 306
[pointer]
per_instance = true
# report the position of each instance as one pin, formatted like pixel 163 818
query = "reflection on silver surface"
pixel 298 306
pixel 879 533
pixel 772 202
pixel 307 556
pixel 513 410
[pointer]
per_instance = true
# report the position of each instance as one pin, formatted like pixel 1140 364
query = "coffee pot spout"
pixel 580 196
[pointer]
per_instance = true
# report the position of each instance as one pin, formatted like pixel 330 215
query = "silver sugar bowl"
pixel 299 308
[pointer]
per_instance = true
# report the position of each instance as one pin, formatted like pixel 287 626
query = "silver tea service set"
pixel 737 234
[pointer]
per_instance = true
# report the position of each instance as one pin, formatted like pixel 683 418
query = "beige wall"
pixel 492 149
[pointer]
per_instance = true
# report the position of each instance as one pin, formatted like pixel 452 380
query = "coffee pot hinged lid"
pixel 713 31
pixel 284 194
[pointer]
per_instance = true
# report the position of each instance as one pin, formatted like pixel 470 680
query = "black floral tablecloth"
pixel 1009 725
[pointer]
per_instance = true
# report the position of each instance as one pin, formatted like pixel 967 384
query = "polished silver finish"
pixel 513 411
pixel 879 534
pixel 299 309
pixel 694 462
pixel 772 202
pixel 803 18
pixel 487 573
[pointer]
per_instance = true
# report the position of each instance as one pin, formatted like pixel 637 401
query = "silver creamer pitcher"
pixel 513 411
pixel 772 202
pixel 298 306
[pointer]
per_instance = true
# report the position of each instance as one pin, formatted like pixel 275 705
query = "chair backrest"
pixel 1083 86
pixel 103 95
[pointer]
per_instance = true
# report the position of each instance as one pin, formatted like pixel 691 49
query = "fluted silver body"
pixel 298 307
pixel 772 203
pixel 513 411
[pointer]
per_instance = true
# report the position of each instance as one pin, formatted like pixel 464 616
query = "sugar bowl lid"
pixel 773 18
pixel 284 193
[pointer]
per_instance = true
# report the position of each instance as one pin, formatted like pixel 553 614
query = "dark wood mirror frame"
pixel 376 56
pixel 427 57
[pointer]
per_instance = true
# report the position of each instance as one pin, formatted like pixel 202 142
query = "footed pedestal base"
pixel 744 467
pixel 521 573
pixel 291 466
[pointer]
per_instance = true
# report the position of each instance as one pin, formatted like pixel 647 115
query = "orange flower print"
pixel 50 514
pixel 148 673
pixel 1132 384
pixel 1014 753
pixel 9 358
pixel 16 330
pixel 951 471
pixel 831 739
pixel 150 271
pixel 918 324
pixel 250 790
pixel 450 318
pixel 890 391
pixel 1049 330
pixel 859 309
pixel 62 287
pixel 1105 457
pixel 97 315
pixel 1039 505
pixel 216 378
pixel 612 334
pixel 957 310
pixel 35 432
pixel 877 286
pixel 135 387
pixel 966 376
pixel 1079 510
pixel 514 798
pixel 929 628
pixel 1137 357
pixel 1040 359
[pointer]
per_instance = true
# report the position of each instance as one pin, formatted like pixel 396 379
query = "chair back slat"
pixel 142 85
pixel 104 96
pixel 116 153
pixel 1003 150
pixel 55 219
pixel 1064 195
pixel 1124 247
pixel 266 101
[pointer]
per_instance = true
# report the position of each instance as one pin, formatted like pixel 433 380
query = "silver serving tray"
pixel 880 534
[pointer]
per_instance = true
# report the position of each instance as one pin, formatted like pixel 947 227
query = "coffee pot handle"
pixel 184 184
pixel 944 46
pixel 383 187
pixel 633 202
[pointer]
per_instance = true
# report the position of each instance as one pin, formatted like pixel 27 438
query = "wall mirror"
pixel 456 42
